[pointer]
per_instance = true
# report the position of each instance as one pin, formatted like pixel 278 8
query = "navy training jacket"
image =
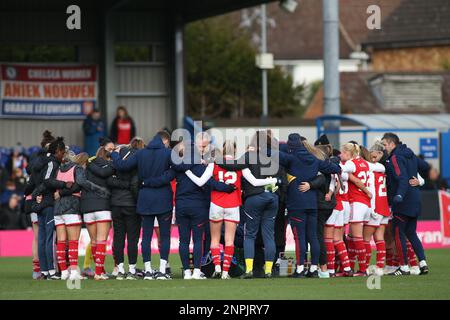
pixel 304 166
pixel 152 161
pixel 401 166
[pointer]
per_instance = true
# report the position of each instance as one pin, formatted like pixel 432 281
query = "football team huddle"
pixel 338 203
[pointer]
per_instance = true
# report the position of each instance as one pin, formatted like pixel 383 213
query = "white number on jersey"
pixel 230 177
pixel 382 187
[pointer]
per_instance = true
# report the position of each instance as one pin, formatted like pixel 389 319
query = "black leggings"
pixel 126 223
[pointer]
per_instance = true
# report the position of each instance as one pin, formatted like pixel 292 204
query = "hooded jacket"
pixel 301 164
pixel 97 171
pixel 152 161
pixel 402 165
pixel 124 185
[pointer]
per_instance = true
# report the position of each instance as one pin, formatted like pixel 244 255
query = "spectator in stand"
pixel 94 128
pixel 10 189
pixel 434 181
pixel 18 159
pixel 11 217
pixel 19 180
pixel 122 127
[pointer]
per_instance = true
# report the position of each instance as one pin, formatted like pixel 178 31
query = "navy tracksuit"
pixel 192 205
pixel 401 166
pixel 302 206
pixel 154 201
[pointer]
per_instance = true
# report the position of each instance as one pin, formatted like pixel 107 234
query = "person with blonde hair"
pixel 303 162
pixel 360 177
pixel 69 181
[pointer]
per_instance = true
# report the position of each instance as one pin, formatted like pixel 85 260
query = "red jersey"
pixel 223 199
pixel 123 131
pixel 381 200
pixel 362 173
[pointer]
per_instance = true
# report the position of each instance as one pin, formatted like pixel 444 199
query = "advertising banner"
pixel 47 91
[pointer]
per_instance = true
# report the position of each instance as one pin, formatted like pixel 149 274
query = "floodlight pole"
pixel 265 102
pixel 331 68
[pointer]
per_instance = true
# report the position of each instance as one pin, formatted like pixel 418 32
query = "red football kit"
pixel 223 199
pixel 381 200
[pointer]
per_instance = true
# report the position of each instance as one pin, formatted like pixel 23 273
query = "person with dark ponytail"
pixel 43 203
pixel 96 208
pixel 34 168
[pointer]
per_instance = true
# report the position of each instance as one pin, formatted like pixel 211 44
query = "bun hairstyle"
pixel 57 144
pixel 47 138
pixel 103 141
pixel 137 143
pixel 377 146
pixel 353 148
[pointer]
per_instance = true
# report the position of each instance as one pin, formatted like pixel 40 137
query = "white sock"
pixel 312 268
pixel 187 272
pixel 132 268
pixel 422 263
pixel 224 274
pixel 51 272
pixel 120 267
pixel 196 272
pixel 300 268
pixel 148 266
pixel 404 268
pixel 217 268
pixel 330 271
pixel 162 266
pixel 347 269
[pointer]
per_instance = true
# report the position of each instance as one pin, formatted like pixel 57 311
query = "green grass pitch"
pixel 16 283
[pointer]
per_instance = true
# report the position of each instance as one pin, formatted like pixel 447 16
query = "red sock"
pixel 73 253
pixel 389 256
pixel 227 257
pixel 351 252
pixel 381 253
pixel 368 252
pixel 330 253
pixel 411 255
pixel 360 250
pixel 215 252
pixel 342 254
pixel 36 267
pixel 61 255
pixel 93 250
pixel 100 257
